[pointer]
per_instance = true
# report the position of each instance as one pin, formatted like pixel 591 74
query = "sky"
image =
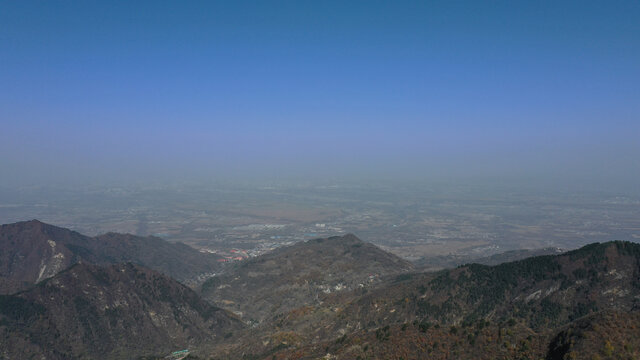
pixel 172 90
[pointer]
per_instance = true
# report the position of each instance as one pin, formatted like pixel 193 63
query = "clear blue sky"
pixel 159 89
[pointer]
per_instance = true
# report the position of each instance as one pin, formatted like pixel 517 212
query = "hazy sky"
pixel 131 90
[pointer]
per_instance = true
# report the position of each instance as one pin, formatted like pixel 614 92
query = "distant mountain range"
pixel 334 298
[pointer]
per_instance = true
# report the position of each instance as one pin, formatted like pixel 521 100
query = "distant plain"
pixel 416 221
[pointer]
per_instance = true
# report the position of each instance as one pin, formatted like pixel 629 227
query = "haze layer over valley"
pixel 444 223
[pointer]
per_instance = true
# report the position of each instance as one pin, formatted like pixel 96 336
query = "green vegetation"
pixel 403 277
pixel 19 309
pixel 581 309
pixel 592 253
pixel 383 334
pixel 441 282
pixel 211 284
pixel 628 248
pixel 424 326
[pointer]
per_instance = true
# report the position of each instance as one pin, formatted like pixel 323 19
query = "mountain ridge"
pixel 337 297
pixel 31 251
pixel 301 274
pixel 117 311
pixel 538 296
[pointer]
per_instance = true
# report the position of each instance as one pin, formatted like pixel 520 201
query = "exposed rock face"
pixel 32 251
pixel 301 274
pixel 120 311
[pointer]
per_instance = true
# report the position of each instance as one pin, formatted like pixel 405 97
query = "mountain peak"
pixel 346 238
pixel 339 239
pixel 316 268
pixel 33 224
pixel 31 251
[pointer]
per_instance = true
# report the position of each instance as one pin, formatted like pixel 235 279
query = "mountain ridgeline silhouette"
pixel 69 296
pixel 32 251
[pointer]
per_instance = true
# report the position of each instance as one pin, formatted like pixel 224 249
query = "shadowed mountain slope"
pixel 31 251
pixel 605 335
pixel 451 261
pixel 116 312
pixel 544 291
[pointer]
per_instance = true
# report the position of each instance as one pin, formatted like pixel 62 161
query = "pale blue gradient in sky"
pixel 133 90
